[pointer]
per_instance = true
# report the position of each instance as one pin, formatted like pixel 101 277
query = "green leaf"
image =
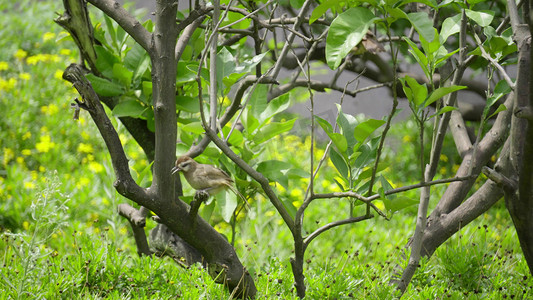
pixel 345 32
pixel 274 171
pixel 236 137
pixel 248 64
pixel 446 109
pixel 194 127
pixel 502 88
pixel 366 128
pixel 338 139
pixel 339 163
pixel 105 60
pixel 227 201
pixel 188 104
pixel 481 17
pixel 225 64
pixel 450 26
pixel 129 108
pixel 423 25
pixel 138 61
pixel 258 101
pixel 347 124
pixel 420 57
pixel 498 110
pixel 414 91
pixel 122 74
pixel 324 124
pixel 441 92
pixel 321 9
pixel 399 203
pixel 272 129
pixel 275 106
pixel 104 87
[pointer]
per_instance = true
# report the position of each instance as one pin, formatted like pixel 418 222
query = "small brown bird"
pixel 204 177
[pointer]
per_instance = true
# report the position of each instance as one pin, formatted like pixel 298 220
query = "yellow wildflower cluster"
pixel 45 144
pixel 34 59
pixel 49 110
pixel 7 85
pixel 4 66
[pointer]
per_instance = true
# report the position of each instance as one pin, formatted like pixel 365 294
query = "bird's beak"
pixel 175 170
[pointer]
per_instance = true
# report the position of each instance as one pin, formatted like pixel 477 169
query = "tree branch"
pixel 131 25
pixel 331 225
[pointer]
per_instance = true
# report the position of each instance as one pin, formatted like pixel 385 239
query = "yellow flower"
pixel 29 185
pixel 58 74
pixel 407 139
pixel 25 76
pixel 26 136
pixel 85 148
pixel 9 154
pixel 7 85
pixel 42 169
pixel 25 225
pixel 20 160
pixel 65 52
pixel 26 152
pixel 48 36
pixel 442 171
pixel 82 182
pixel 444 158
pixel 45 144
pixel 20 54
pixel 4 66
pixel 34 175
pixel 96 167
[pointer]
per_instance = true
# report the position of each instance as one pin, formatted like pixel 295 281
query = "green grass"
pixel 62 238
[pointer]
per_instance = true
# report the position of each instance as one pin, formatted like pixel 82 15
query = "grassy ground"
pixel 61 237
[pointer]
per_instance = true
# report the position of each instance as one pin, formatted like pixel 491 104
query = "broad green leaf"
pixel 321 9
pixel 366 128
pixel 188 104
pixel 398 203
pixel 104 87
pixel 324 124
pixel 347 124
pixel 250 124
pixel 194 127
pixel 275 106
pixel 122 74
pixel 339 163
pixel 430 3
pixel 339 141
pixel 111 31
pixel 225 64
pixel 272 129
pixel 498 110
pixel 129 108
pixel 481 17
pixel 345 32
pixel 147 88
pixel 248 64
pixel 138 61
pixel 236 137
pixel 414 91
pixel 431 48
pixel 446 109
pixel 420 57
pixel 258 101
pixel 227 201
pixel 450 26
pixel 423 25
pixel 501 89
pixel 441 92
pixel 274 170
pixel 105 60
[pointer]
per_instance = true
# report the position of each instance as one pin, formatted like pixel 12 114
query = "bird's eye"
pixel 185 164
